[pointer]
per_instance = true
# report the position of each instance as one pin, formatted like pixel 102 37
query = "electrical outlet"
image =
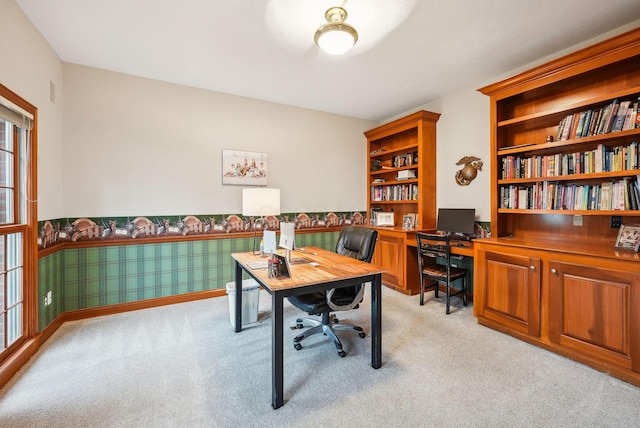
pixel 48 298
pixel 616 221
pixel 577 220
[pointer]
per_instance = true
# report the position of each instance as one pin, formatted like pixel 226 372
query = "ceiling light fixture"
pixel 335 37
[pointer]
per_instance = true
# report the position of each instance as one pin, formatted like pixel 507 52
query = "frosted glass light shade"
pixel 260 202
pixel 335 37
pixel 336 41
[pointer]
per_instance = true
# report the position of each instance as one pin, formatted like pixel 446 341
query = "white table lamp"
pixel 260 202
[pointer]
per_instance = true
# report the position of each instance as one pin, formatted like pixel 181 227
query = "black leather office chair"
pixel 434 262
pixel 357 242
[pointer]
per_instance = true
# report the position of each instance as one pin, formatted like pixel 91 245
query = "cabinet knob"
pixel 532 267
pixel 553 271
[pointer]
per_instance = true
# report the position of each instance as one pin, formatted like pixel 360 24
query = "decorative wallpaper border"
pixel 52 232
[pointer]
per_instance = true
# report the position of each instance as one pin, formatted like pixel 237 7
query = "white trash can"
pixel 250 300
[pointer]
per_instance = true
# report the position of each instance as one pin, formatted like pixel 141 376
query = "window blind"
pixel 13 115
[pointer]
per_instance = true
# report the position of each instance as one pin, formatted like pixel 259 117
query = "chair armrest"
pixel 356 300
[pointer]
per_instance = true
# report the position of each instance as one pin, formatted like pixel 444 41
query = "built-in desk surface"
pixel 461 248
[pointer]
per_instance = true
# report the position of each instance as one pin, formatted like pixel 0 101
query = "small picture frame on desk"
pixel 385 219
pixel 628 238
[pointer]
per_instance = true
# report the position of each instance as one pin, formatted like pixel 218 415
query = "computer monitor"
pixel 287 235
pixel 457 220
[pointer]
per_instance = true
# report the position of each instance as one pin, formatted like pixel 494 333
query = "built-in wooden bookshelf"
pixel 564 167
pixel 402 182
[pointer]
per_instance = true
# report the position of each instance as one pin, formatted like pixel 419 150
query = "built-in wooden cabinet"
pixel 389 254
pixel 402 180
pixel 550 274
pixel 511 291
pixel 595 311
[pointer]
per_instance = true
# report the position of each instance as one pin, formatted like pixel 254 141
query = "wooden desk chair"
pixel 434 262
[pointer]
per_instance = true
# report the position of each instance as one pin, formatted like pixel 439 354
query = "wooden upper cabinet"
pixel 402 180
pixel 551 154
pixel 404 148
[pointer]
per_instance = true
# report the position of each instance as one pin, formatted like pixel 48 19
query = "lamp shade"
pixel 336 41
pixel 260 202
pixel 336 37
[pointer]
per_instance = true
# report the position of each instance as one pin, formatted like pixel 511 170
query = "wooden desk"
pixel 466 249
pixel 461 248
pixel 332 271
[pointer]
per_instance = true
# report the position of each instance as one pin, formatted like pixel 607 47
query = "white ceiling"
pixel 409 52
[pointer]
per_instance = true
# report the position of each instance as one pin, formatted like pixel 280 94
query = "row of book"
pixel 623 194
pixel 615 116
pixel 399 192
pixel 600 159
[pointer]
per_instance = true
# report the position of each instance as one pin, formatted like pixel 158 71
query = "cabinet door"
pixel 595 311
pixel 389 255
pixel 508 291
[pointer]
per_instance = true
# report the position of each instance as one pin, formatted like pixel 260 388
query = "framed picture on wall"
pixel 244 168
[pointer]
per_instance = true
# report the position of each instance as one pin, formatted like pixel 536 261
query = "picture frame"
pixel 409 221
pixel 284 268
pixel 244 168
pixel 628 238
pixel 385 219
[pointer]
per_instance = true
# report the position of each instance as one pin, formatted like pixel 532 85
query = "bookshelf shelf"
pixel 573 177
pixel 561 109
pixel 378 152
pixel 406 144
pixel 555 146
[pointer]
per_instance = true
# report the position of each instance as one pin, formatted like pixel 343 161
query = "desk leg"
pixel 277 360
pixel 376 322
pixel 238 297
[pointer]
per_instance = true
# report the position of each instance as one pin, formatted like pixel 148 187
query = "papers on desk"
pixel 258 264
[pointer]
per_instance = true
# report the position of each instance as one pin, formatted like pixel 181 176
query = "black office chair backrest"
pixel 357 242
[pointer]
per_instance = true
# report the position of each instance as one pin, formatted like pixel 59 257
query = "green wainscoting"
pixel 83 278
pixel 50 278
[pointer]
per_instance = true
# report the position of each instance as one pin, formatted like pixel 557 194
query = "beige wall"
pixel 139 146
pixel 463 130
pixel 27 65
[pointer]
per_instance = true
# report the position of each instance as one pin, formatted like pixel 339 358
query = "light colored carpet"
pixel 182 365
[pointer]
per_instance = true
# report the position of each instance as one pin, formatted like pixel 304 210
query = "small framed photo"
pixel 628 237
pixel 385 219
pixel 409 221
